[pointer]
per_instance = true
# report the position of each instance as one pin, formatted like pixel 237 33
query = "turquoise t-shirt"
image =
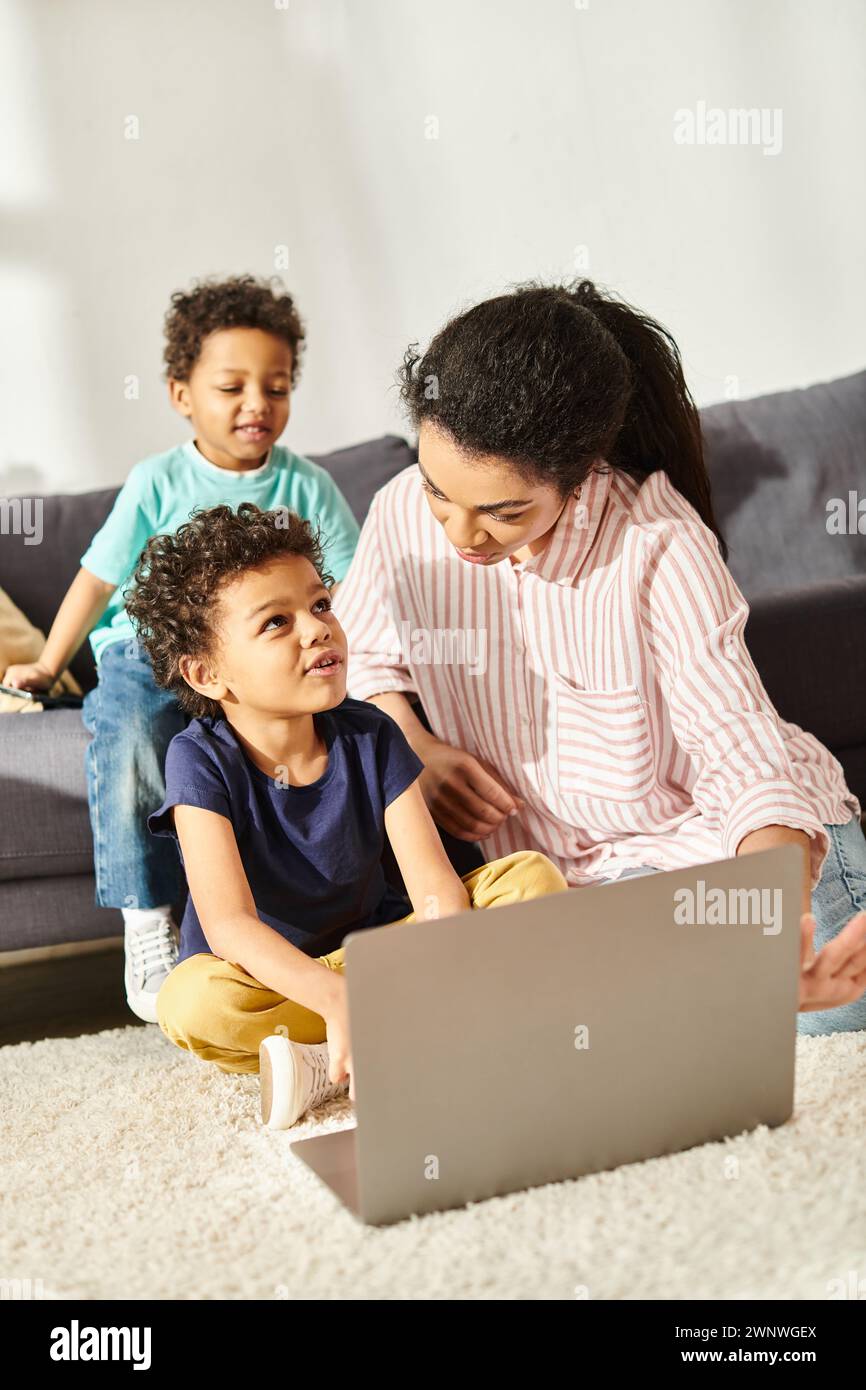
pixel 161 491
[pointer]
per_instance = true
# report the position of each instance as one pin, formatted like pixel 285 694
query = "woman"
pixel 550 581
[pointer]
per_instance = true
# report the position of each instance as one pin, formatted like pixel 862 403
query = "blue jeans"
pixel 132 722
pixel 839 895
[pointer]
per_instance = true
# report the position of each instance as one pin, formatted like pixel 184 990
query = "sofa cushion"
pixel 806 691
pixel 775 463
pixel 46 826
pixel 47 911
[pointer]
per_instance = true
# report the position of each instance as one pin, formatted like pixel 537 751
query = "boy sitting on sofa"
pixel 279 794
pixel 232 356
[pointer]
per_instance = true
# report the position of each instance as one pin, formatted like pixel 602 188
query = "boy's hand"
pixel 837 974
pixel 32 677
pixel 464 793
pixel 337 1029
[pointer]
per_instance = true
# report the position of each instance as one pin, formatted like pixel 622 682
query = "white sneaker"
pixel 150 948
pixel 294 1079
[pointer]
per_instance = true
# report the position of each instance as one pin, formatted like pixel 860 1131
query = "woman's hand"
pixel 464 793
pixel 29 677
pixel 337 1029
pixel 837 974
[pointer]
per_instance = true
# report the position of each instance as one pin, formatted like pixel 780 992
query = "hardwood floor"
pixel 64 997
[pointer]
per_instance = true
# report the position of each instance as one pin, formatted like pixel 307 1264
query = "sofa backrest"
pixel 36 577
pixel 774 462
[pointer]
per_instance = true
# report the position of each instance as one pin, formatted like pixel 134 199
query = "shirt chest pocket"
pixel 601 745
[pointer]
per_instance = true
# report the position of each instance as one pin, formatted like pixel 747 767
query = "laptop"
pixel 502 1049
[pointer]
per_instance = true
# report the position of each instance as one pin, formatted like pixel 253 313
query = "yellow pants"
pixel 216 1010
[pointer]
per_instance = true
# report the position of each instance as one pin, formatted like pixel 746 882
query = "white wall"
pixel 307 125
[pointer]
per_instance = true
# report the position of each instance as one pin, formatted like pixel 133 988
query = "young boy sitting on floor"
pixel 279 793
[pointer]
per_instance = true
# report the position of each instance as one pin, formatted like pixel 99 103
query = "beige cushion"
pixel 21 642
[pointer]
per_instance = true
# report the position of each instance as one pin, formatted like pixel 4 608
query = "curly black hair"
pixel 553 378
pixel 239 302
pixel 172 598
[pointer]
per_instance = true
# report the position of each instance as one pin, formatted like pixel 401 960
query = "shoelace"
pixel 153 949
pixel 319 1086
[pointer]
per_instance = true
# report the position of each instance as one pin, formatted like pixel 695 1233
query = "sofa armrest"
pixel 809 647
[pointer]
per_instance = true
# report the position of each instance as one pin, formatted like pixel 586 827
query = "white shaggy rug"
pixel 129 1169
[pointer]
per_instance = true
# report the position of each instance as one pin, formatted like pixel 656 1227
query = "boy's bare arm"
pixel 227 912
pixel 84 603
pixel 463 792
pixel 434 887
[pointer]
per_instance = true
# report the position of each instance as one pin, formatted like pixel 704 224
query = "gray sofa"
pixel 775 462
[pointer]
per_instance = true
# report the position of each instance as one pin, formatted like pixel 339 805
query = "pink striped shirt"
pixel 606 679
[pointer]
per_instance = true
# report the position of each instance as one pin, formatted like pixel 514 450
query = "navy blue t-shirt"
pixel 311 854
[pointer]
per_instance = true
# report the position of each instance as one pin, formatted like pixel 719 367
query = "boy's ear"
pixel 199 676
pixel 178 395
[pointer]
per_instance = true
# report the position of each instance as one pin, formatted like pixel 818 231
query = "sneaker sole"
pixel 278 1082
pixel 143 1005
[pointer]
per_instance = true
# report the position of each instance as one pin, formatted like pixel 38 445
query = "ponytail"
pixel 661 428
